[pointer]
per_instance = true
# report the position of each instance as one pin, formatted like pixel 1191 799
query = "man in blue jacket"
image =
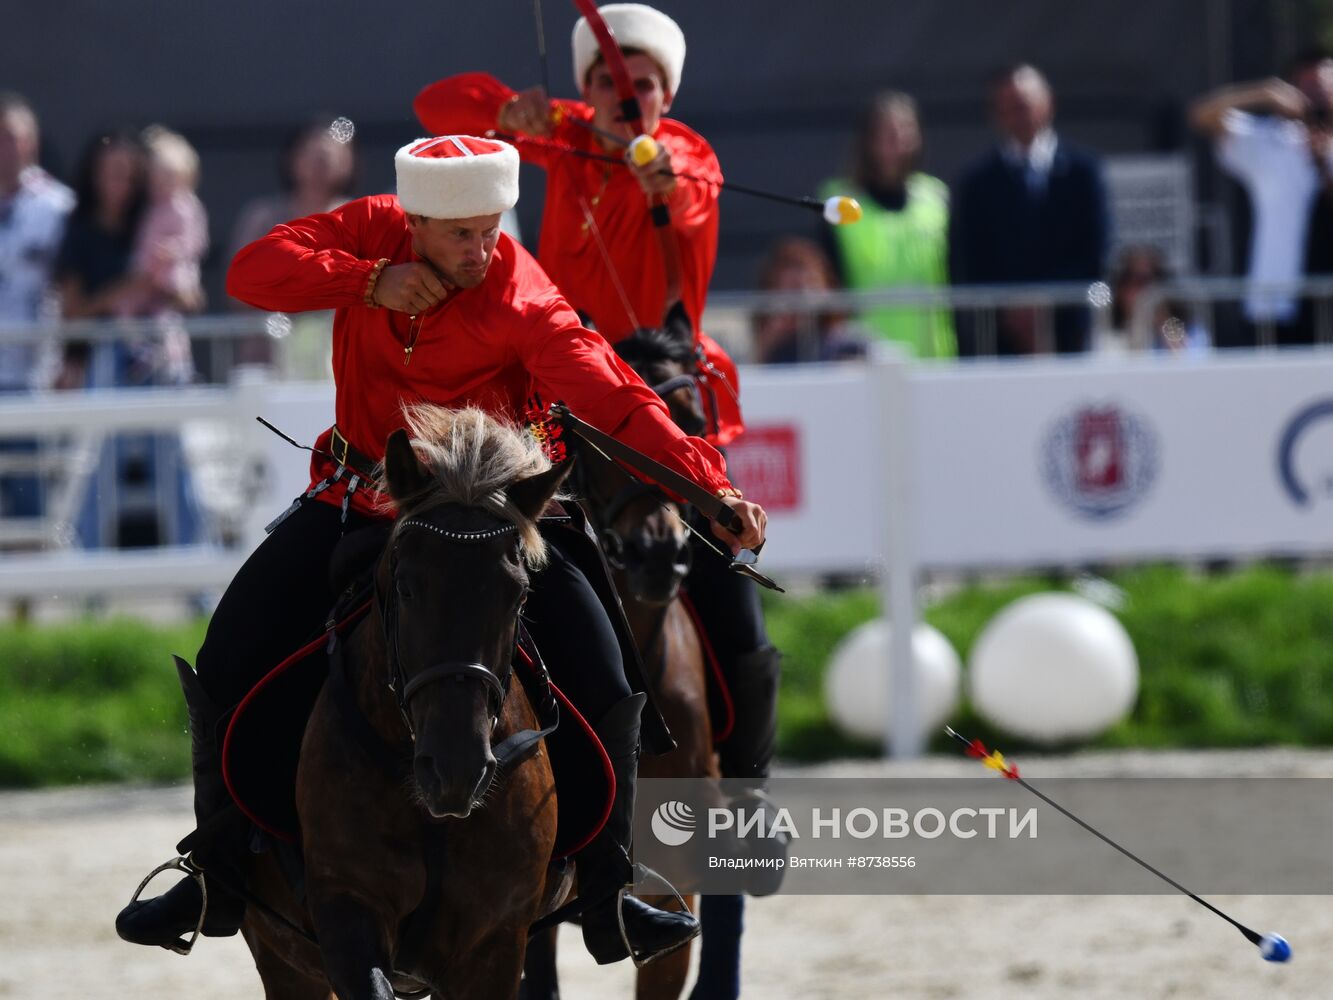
pixel 1032 210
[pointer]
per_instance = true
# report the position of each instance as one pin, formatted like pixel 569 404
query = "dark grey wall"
pixel 774 85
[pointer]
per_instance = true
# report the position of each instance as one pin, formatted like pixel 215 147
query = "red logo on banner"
pixel 1099 448
pixel 1100 459
pixel 765 463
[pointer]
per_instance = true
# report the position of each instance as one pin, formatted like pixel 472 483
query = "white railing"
pixel 290 346
pixel 223 447
pixel 1203 297
pixel 730 316
pixel 297 346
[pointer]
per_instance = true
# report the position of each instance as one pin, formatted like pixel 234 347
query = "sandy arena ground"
pixel 69 859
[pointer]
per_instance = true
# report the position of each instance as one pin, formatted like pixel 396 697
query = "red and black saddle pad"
pixel 262 745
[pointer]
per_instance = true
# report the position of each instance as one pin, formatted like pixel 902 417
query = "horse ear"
pixel 531 495
pixel 678 325
pixel 403 471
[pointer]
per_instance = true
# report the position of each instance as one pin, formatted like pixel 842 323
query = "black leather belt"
pixel 344 454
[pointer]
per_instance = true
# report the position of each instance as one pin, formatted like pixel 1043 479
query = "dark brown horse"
pixel 648 546
pixel 446 852
pixel 646 543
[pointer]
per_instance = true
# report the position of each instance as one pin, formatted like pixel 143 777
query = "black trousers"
pixel 728 603
pixel 282 596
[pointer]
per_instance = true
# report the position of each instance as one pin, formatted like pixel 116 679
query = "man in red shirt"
pixel 597 240
pixel 434 304
pixel 599 246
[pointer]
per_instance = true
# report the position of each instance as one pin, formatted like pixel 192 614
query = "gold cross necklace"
pixel 413 332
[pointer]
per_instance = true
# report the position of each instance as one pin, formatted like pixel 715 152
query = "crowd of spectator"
pixel 126 244
pixel 1034 210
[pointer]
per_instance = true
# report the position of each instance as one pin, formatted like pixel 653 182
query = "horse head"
pixel 451 584
pixel 644 538
pixel 664 357
pixel 643 535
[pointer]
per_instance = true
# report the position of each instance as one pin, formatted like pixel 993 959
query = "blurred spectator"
pixel 317 170
pixel 1172 328
pixel 93 266
pixel 1032 210
pixel 795 264
pixel 1276 138
pixel 902 240
pixel 96 275
pixel 173 236
pixel 33 210
pixel 140 493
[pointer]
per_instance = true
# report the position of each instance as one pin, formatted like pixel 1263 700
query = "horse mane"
pixel 472 458
pixel 648 345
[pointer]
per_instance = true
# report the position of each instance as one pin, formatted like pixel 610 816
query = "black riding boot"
pixel 604 866
pixel 747 754
pixel 218 845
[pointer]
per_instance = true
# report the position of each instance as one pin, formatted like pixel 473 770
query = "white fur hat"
pixel 636 26
pixel 457 177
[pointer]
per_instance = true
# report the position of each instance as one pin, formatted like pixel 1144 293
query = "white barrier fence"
pixel 880 468
pixel 1048 462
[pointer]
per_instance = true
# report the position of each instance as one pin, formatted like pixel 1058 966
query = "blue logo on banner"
pixel 1296 429
pixel 1099 460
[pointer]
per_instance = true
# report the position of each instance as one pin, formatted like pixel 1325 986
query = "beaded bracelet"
pixel 372 280
pixel 730 492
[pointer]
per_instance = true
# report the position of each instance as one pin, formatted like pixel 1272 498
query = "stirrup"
pixel 641 875
pixel 184 864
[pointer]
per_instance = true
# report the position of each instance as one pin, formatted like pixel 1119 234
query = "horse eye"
pixel 404 591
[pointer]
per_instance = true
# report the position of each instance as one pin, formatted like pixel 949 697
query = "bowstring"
pixel 591 222
pixel 541 46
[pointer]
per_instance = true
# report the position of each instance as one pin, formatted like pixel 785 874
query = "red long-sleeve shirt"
pixel 491 346
pixel 631 291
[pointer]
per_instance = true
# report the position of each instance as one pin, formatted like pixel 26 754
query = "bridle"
pixel 682 381
pixel 613 542
pixel 461 671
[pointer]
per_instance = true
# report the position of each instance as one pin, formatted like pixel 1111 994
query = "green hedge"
pixel 93 702
pixel 1240 659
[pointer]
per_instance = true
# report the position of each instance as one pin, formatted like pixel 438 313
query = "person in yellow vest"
pixel 902 240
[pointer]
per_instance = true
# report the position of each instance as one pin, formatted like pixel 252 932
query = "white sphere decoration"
pixel 1053 667
pixel 856 683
